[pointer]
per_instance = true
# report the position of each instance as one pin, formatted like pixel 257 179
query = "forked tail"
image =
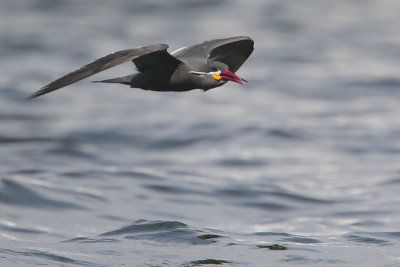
pixel 122 80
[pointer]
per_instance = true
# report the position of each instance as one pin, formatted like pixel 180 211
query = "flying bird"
pixel 202 66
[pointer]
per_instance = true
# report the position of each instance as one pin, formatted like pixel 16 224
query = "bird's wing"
pixel 142 57
pixel 157 59
pixel 231 51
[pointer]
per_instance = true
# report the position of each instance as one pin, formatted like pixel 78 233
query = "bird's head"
pixel 218 74
pixel 222 73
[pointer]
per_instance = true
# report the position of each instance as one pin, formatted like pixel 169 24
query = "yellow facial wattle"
pixel 216 76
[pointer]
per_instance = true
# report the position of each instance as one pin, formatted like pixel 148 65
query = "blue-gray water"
pixel 304 157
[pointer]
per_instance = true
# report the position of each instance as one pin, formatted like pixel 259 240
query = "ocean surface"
pixel 301 166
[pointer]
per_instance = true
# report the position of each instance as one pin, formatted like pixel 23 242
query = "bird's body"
pixel 202 66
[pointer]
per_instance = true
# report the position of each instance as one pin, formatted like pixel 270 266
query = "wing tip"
pixel 42 91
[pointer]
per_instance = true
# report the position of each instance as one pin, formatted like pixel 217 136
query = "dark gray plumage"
pixel 202 66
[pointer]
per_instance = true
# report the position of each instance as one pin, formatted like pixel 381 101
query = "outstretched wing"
pixel 142 57
pixel 158 59
pixel 232 51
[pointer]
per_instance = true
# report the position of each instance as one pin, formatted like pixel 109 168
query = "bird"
pixel 204 66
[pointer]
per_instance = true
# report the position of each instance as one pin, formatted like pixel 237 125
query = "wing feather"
pixel 232 51
pixel 99 65
pixel 158 59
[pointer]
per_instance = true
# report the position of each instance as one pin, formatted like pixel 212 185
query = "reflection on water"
pixel 298 167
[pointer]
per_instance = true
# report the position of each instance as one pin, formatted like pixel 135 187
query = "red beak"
pixel 228 75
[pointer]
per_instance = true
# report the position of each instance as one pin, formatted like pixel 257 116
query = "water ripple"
pixel 265 205
pixel 12 192
pixel 49 256
pixel 91 240
pixel 23 117
pixel 363 238
pixel 13 139
pixel 280 133
pixel 298 239
pixel 240 163
pixel 172 189
pixel 104 174
pixel 14 228
pixel 164 231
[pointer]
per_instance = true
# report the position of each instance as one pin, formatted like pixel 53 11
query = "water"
pixel 301 166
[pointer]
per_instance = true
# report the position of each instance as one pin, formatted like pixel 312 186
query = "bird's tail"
pixel 122 80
